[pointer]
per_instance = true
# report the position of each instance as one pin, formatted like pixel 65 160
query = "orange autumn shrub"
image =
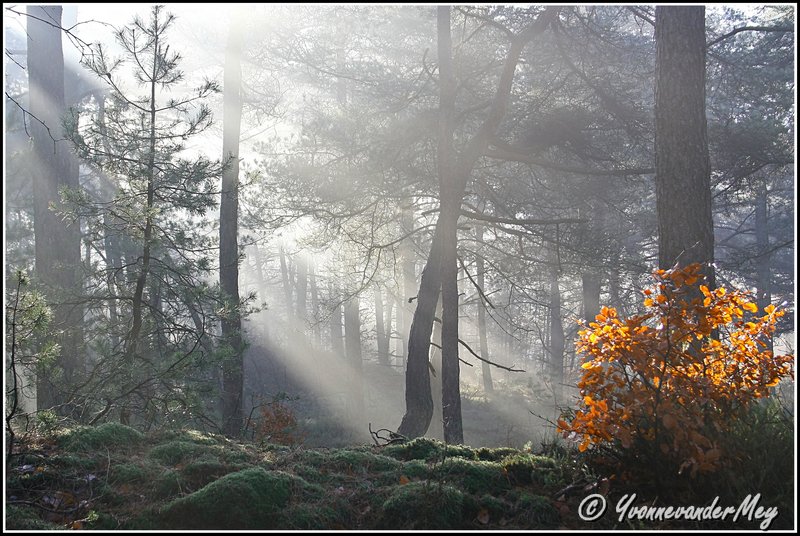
pixel 665 386
pixel 277 424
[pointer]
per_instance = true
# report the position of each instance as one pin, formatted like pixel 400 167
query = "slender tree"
pixel 233 366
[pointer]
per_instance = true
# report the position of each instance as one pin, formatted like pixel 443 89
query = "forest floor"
pixel 112 477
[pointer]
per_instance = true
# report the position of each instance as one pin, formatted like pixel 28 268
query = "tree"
pixel 683 191
pixel 57 243
pixel 233 366
pixel 164 301
pixel 454 169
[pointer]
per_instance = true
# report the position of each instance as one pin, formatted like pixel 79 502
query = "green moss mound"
pixel 536 511
pixel 494 454
pixel 523 468
pixel 423 505
pixel 127 473
pixel 23 518
pixel 360 461
pixel 200 472
pixel 474 476
pixel 108 435
pixel 175 452
pixel 249 499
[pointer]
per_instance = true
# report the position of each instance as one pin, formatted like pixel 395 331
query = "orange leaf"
pixel 404 480
pixel 749 306
pixel 483 516
pixel 769 309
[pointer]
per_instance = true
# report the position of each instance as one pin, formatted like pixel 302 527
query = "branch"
pixel 779 29
pixel 475 284
pixel 518 221
pixel 514 156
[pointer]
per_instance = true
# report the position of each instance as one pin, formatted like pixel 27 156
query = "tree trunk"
pixel 683 192
pixel 486 369
pixel 380 329
pixel 453 174
pixel 287 287
pixel 764 275
pixel 556 339
pixel 591 285
pixel 419 402
pixel 312 282
pixel 233 367
pixel 302 290
pixel 57 247
pixel 407 284
pixel 352 331
pixel 337 343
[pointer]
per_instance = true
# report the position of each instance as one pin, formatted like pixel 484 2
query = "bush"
pixel 661 389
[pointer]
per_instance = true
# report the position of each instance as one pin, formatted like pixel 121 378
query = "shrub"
pixel 667 385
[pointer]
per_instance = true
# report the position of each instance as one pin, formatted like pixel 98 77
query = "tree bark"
pixel 763 272
pixel 302 290
pixel 486 369
pixel 233 367
pixel 556 339
pixel 381 335
pixel 683 192
pixel 337 343
pixel 57 246
pixel 352 331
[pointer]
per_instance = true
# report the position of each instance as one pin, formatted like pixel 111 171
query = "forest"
pixel 404 267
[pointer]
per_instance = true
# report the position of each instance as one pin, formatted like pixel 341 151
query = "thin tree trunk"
pixel 352 330
pixel 312 282
pixel 486 369
pixel 337 343
pixel 556 339
pixel 382 339
pixel 764 275
pixel 287 287
pixel 233 367
pixel 302 290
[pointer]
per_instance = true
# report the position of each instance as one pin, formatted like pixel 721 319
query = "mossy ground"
pixel 113 478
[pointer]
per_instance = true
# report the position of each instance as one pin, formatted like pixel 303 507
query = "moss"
pixel 167 485
pixel 423 505
pixel 494 454
pixel 108 435
pixel 23 518
pixel 521 467
pixel 200 472
pixel 496 506
pixel 474 476
pixel 175 452
pixel 421 448
pixel 311 474
pixel 192 436
pixel 354 460
pixel 248 499
pixel 461 451
pixel 415 469
pixel 306 516
pixel 127 473
pixel 536 511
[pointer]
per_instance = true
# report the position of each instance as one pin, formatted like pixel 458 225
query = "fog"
pixel 354 135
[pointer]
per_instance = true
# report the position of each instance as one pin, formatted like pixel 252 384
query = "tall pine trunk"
pixel 683 191
pixel 57 247
pixel 233 367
